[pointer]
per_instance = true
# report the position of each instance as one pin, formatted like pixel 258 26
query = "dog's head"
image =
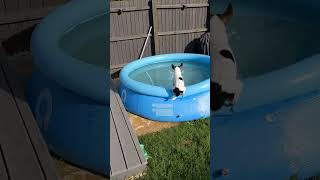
pixel 219 39
pixel 174 67
pixel 177 69
pixel 226 16
pixel 220 49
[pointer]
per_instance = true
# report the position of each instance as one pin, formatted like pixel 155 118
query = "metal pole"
pixel 145 42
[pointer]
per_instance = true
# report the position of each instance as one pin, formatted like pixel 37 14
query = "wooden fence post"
pixel 155 27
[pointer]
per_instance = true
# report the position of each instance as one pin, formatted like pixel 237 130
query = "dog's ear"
pixel 227 15
pixel 180 65
pixel 172 66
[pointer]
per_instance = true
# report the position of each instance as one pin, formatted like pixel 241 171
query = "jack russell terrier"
pixel 224 83
pixel 178 82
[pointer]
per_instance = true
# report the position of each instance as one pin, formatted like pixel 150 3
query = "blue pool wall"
pixel 74 127
pixel 188 108
pixel 270 142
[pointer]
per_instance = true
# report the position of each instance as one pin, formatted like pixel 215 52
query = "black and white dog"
pixel 224 83
pixel 178 82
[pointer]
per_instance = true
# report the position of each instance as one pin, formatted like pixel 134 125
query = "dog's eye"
pixel 180 78
pixel 227 54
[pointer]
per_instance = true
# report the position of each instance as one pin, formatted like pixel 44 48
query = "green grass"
pixel 181 152
pixel 296 177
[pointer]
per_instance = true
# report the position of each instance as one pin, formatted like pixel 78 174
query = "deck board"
pixel 24 154
pixel 118 165
pixel 16 147
pixel 3 167
pixel 128 147
pixel 126 141
pixel 18 73
pixel 133 136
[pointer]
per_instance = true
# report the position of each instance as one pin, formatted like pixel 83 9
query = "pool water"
pixel 263 44
pixel 161 74
pixel 88 41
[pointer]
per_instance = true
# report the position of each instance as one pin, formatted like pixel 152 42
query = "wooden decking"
pixel 23 152
pixel 126 157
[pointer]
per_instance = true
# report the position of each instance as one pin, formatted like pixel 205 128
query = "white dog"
pixel 178 82
pixel 226 87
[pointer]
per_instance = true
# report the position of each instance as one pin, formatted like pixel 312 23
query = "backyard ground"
pixel 67 171
pixel 143 126
pixel 176 150
pixel 295 177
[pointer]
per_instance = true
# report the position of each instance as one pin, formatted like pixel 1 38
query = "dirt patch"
pixel 67 171
pixel 187 142
pixel 143 126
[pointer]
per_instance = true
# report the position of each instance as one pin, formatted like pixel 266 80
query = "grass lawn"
pixel 180 152
pixel 295 177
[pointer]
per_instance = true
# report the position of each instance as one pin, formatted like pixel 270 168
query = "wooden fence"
pixel 16 15
pixel 175 24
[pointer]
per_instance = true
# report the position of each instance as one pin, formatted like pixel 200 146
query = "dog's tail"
pixel 19 42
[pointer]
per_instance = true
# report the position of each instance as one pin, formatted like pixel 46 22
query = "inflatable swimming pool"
pixel 272 131
pixel 146 87
pixel 68 93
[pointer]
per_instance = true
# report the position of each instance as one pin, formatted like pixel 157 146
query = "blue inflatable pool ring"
pixel 272 131
pixel 149 94
pixel 69 91
pixel 83 78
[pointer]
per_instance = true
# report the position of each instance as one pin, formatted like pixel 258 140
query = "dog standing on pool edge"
pixel 225 85
pixel 178 82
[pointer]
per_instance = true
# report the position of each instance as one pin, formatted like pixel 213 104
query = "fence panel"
pixel 175 24
pixel 16 15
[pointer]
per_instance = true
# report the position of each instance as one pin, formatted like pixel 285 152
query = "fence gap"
pixel 155 27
